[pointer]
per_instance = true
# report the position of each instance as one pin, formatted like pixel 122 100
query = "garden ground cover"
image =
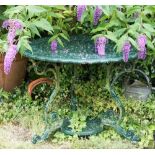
pixel 21 116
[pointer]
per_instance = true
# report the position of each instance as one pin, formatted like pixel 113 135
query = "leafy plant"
pixel 92 99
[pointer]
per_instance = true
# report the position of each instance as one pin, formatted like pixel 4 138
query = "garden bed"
pixel 18 109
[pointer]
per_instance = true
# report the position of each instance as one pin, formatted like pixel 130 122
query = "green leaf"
pixel 53 38
pixel 85 14
pixel 133 33
pixel 120 42
pixel 14 11
pixel 114 22
pixel 65 37
pixel 34 10
pixel 111 36
pixel 59 7
pixel 134 27
pixel 106 10
pixel 149 27
pixel 56 15
pixel 133 42
pixel 150 45
pixel 148 10
pixel 34 30
pixel 97 35
pixel 148 34
pixel 57 27
pixel 132 10
pixel 119 32
pixel 60 42
pixel 121 16
pixel 23 44
pixel 44 25
pixel 98 29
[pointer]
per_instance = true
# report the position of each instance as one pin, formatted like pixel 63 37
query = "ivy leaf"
pixel 44 25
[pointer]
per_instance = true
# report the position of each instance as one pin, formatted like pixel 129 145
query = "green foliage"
pixel 37 21
pixel 117 23
pixel 92 99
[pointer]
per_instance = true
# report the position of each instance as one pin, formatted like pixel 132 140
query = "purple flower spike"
pixel 5 24
pixel 126 50
pixel 100 45
pixel 141 41
pixel 80 10
pixel 142 54
pixel 12 24
pixel 9 57
pixel 11 36
pixel 97 15
pixel 54 46
pixel 17 25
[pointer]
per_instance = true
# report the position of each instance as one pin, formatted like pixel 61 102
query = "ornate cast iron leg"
pixel 108 118
pixel 73 96
pixel 53 122
pixel 111 119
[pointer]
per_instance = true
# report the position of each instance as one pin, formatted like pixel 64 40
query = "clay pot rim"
pixel 18 57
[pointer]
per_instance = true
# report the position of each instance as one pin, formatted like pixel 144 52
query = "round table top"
pixel 79 50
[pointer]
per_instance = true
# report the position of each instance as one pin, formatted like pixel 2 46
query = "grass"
pixel 17 137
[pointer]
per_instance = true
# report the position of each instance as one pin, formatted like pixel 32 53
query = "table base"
pixel 93 126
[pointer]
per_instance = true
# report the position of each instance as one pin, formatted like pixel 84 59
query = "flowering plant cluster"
pixel 127 26
pixel 12 26
pixel 113 25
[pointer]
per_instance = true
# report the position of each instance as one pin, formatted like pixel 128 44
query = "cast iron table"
pixel 80 50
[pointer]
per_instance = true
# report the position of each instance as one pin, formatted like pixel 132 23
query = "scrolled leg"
pixel 53 122
pixel 127 134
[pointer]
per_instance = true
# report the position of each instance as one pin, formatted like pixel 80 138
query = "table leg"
pixel 109 118
pixel 53 122
pixel 94 126
pixel 114 121
pixel 74 102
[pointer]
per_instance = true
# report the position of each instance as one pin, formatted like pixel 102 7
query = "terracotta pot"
pixel 16 75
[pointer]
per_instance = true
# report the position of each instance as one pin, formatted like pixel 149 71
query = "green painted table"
pixel 80 50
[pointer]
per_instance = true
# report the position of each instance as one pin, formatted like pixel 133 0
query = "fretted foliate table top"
pixel 79 50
